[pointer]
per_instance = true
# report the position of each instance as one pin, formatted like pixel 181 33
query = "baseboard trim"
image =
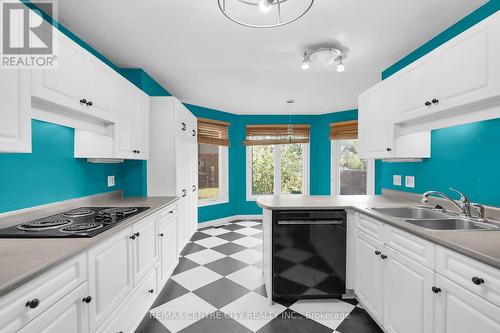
pixel 224 220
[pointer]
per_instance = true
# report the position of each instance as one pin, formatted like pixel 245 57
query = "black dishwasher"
pixel 309 254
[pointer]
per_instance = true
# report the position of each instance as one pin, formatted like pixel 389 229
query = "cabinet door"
pixel 460 311
pixel 124 125
pixel 140 137
pixel 376 127
pixel 69 315
pixel 145 247
pixel 99 86
pixel 469 66
pixel 370 283
pixel 15 115
pixel 168 247
pixel 62 85
pixel 110 275
pixel 408 299
pixel 194 187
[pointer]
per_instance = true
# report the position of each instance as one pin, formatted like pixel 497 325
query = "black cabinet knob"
pixel 389 149
pixel 171 212
pixel 137 234
pixel 194 133
pixel 383 256
pixel 89 103
pixel 87 299
pixel 83 101
pixel 477 281
pixel 428 103
pixel 435 101
pixel 377 253
pixel 132 237
pixel 34 303
pixel 151 291
pixel 194 188
pixel 184 193
pixel 161 235
pixel 183 126
pixel 436 290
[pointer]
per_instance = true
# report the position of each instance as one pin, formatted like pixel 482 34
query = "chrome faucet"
pixel 464 206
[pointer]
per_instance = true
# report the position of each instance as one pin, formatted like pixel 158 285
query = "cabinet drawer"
pixel 47 289
pixel 370 226
pixel 129 315
pixel 463 270
pixel 412 246
pixel 167 213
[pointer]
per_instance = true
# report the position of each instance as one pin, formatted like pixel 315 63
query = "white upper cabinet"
pixel 457 83
pixel 15 111
pixel 81 86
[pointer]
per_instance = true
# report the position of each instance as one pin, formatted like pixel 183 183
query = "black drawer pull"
pixel 477 281
pixel 87 299
pixel 436 290
pixel 83 101
pixel 151 291
pixel 377 253
pixel 161 235
pixel 33 304
pixel 383 256
pixel 183 126
pixel 435 101
pixel 428 103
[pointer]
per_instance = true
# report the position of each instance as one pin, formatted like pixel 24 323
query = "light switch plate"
pixel 410 181
pixel 111 181
pixel 396 180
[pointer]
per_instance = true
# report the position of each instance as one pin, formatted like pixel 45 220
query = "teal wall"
pixel 465 157
pixel 51 173
pixel 319 156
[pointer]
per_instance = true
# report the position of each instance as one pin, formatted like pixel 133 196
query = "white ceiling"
pixel 202 58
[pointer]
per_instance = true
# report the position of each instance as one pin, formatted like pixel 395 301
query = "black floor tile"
pixel 221 292
pixel 184 265
pixel 359 321
pixel 233 227
pixel 171 290
pixel 228 248
pixel 352 301
pixel 217 322
pixel 191 248
pixel 231 236
pixel 261 290
pixel 226 266
pixel 292 322
pixel 151 325
pixel 199 236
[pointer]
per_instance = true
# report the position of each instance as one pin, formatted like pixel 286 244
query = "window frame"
pixel 223 179
pixel 335 170
pixel 277 172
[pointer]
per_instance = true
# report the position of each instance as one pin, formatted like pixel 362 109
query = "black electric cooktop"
pixel 78 222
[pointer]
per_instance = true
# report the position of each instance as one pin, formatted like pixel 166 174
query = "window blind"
pixel 213 132
pixel 345 130
pixel 260 135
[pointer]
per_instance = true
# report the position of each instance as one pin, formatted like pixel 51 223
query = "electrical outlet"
pixel 396 180
pixel 410 181
pixel 111 181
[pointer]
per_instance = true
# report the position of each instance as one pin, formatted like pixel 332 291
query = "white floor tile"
pixel 247 223
pixel 196 278
pixel 205 256
pixel 248 231
pixel 215 231
pixel 249 277
pixel 253 311
pixel 182 312
pixel 248 241
pixel 327 312
pixel 248 256
pixel 211 242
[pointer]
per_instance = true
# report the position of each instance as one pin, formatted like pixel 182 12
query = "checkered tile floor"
pixel 218 287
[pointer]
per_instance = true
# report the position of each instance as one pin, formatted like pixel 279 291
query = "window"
pixel 212 162
pixel 277 170
pixel 350 174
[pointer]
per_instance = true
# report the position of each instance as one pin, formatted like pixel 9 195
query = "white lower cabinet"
pixel 110 275
pixel 145 249
pixel 370 277
pixel 460 311
pixel 69 315
pixel 408 297
pixel 167 234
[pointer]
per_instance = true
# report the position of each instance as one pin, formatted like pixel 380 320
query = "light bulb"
pixel 341 67
pixel 305 65
pixel 265 6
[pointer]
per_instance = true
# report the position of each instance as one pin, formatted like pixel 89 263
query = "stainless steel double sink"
pixel 429 218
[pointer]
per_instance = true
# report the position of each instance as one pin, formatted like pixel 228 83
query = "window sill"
pixel 211 202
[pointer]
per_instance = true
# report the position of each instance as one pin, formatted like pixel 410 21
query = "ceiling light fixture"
pixel 323 57
pixel 283 11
